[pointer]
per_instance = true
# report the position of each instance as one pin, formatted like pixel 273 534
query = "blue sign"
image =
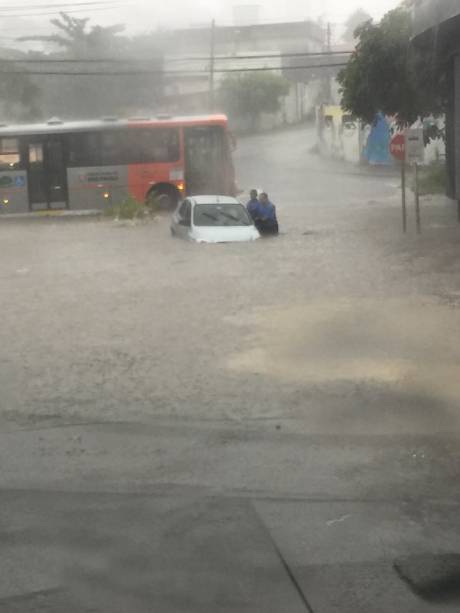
pixel 20 181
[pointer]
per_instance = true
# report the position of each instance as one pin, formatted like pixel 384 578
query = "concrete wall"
pixel 338 136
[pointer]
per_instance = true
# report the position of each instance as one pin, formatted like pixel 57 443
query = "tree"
pixel 20 98
pixel 251 94
pixel 356 19
pixel 82 96
pixel 78 40
pixel 386 73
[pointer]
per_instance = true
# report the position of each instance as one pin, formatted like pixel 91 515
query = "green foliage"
pixel 81 96
pixel 128 209
pixel 19 97
pixel 250 94
pixel 433 179
pixel 78 39
pixel 386 73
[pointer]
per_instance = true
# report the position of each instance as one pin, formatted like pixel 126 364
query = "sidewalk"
pixel 50 213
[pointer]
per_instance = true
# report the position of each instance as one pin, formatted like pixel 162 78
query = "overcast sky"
pixel 147 15
pixel 199 11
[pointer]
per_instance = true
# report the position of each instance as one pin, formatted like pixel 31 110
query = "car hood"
pixel 234 234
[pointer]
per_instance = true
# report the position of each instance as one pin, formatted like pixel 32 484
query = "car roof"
pixel 213 200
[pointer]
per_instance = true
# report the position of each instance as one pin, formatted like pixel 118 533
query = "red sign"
pixel 398 147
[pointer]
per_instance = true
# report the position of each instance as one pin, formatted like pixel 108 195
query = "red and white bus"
pixel 83 165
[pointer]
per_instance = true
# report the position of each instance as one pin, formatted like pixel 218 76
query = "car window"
pixel 183 209
pixel 220 215
pixel 185 212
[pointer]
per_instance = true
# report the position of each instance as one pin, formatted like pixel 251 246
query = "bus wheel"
pixel 162 199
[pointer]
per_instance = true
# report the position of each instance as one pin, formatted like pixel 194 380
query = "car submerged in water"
pixel 213 219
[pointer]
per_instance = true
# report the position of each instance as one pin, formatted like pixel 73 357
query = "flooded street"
pixel 322 366
pixel 339 316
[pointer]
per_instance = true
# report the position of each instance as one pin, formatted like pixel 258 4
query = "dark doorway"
pixel 47 174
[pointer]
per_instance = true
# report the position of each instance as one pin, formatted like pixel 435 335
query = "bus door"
pixel 204 160
pixel 47 174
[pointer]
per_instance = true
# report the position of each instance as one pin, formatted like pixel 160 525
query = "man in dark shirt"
pixel 263 213
pixel 265 219
pixel 253 204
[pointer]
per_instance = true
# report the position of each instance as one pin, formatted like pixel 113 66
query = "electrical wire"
pixel 36 7
pixel 175 60
pixel 119 73
pixel 67 12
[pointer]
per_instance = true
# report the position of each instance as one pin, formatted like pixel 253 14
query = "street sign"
pixel 398 147
pixel 415 146
pixel 398 151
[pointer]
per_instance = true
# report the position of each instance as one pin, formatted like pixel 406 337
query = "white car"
pixel 213 219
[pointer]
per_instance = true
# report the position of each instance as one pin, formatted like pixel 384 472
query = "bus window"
pixel 10 157
pixel 84 149
pixel 113 148
pixel 36 153
pixel 157 145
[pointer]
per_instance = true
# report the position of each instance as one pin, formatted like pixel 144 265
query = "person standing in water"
pixel 266 220
pixel 253 204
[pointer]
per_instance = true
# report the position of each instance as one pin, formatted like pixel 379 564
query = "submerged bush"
pixel 128 209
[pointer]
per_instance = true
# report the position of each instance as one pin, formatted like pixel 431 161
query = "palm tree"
pixel 80 41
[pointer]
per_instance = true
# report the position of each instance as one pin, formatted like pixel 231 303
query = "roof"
pixel 432 13
pixel 214 200
pixel 58 127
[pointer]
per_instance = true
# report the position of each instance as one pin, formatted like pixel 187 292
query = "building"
pixel 241 46
pixel 437 30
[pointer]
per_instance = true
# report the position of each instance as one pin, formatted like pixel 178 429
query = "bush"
pixel 433 179
pixel 248 95
pixel 128 209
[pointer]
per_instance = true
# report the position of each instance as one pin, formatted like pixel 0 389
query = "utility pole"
pixel 329 37
pixel 329 50
pixel 212 67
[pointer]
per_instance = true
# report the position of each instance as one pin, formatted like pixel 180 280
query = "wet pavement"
pixel 254 393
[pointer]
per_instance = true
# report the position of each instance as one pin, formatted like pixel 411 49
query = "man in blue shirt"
pixel 263 213
pixel 265 219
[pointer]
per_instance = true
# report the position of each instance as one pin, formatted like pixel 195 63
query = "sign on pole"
pixel 398 147
pixel 415 146
pixel 415 155
pixel 398 151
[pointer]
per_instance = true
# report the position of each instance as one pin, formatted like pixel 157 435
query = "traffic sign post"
pixel 403 196
pixel 418 218
pixel 415 146
pixel 415 154
pixel 398 151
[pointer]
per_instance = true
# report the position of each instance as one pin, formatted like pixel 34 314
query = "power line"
pixel 175 60
pixel 263 57
pixel 60 5
pixel 50 14
pixel 120 73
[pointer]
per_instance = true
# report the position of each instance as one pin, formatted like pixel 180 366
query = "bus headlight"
pixel 106 195
pixel 6 201
pixel 181 187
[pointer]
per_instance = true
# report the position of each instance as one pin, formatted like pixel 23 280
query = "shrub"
pixel 128 209
pixel 433 179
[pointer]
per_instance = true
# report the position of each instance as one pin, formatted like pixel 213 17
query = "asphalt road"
pixel 261 427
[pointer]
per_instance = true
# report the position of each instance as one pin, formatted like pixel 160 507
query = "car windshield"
pixel 220 215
